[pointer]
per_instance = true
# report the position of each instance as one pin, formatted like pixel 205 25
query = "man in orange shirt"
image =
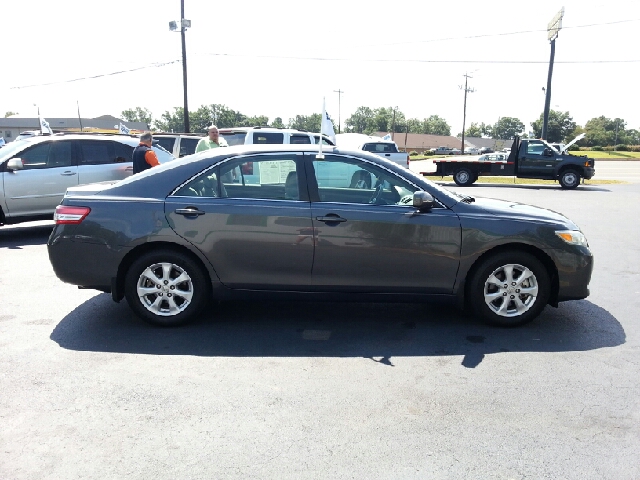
pixel 143 155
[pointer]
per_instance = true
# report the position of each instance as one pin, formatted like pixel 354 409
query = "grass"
pixel 589 153
pixel 522 181
pixel 610 155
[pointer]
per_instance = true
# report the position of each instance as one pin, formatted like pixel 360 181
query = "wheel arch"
pixel 578 168
pixel 117 287
pixel 541 255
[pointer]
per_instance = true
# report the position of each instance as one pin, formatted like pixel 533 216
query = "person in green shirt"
pixel 212 141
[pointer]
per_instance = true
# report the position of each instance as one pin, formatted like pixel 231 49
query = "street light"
pixel 173 26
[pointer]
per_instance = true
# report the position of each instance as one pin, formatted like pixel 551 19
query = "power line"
pixel 381 60
pixel 486 35
pixel 398 60
pixel 153 65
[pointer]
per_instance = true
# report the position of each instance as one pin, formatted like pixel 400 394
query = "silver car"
pixel 36 172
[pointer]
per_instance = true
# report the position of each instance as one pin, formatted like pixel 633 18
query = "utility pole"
pixel 393 124
pixel 339 92
pixel 464 113
pixel 553 28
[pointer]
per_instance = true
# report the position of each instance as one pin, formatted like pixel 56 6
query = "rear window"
pixel 380 147
pixel 234 138
pixel 295 139
pixel 268 138
pixel 188 146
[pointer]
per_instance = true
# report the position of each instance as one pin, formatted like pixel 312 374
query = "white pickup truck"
pixel 444 151
pixel 384 148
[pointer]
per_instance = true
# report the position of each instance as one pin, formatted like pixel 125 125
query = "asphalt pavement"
pixel 314 390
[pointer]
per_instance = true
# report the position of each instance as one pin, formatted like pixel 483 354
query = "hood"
pixel 521 211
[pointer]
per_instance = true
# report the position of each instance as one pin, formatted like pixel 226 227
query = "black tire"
pixel 180 282
pixel 569 179
pixel 519 299
pixel 464 177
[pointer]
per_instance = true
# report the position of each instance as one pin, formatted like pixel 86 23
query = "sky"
pixel 281 58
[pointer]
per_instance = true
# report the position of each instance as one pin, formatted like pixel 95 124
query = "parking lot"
pixel 306 390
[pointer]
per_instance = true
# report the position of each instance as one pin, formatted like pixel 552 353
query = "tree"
pixel 137 114
pixel 434 125
pixel 359 121
pixel 277 123
pixel 8 114
pixel 604 131
pixel 309 123
pixel 172 122
pixel 560 127
pixel 506 128
pixel 474 130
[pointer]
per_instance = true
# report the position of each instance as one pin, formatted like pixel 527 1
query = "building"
pixel 421 142
pixel 11 127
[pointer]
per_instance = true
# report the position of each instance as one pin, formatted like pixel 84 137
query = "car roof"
pixel 172 134
pixel 264 128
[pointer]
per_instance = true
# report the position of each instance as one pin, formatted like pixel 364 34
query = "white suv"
pixel 35 172
pixel 180 144
pixel 270 135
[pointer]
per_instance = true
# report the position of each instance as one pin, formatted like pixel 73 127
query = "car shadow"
pixel 17 236
pixel 526 186
pixel 379 332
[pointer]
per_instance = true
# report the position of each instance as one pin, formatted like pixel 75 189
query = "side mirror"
pixel 547 152
pixel 422 201
pixel 15 164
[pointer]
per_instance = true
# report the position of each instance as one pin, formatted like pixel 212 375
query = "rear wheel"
pixel 569 179
pixel 509 289
pixel 166 288
pixel 464 177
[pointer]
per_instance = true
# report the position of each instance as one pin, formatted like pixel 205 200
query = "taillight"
pixel 70 215
pixel 407 160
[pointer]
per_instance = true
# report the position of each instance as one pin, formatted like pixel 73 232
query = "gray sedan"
pixel 284 221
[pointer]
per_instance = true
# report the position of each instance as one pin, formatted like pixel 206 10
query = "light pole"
pixel 339 92
pixel 173 26
pixel 553 28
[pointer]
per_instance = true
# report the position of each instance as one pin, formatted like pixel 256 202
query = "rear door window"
pixel 122 153
pixel 93 152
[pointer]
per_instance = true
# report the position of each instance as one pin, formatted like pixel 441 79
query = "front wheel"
pixel 569 179
pixel 165 288
pixel 509 289
pixel 464 177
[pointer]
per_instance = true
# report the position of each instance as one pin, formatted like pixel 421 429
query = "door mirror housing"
pixel 15 164
pixel 422 201
pixel 547 152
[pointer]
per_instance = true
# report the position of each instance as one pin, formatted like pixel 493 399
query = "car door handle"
pixel 67 173
pixel 387 154
pixel 189 211
pixel 331 218
pixel 128 169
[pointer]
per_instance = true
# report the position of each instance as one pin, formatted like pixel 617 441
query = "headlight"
pixel 573 237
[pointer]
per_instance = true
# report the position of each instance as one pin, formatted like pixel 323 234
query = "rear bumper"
pixel 85 264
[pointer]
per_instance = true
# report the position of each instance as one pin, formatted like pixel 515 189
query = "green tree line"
pixel 599 131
